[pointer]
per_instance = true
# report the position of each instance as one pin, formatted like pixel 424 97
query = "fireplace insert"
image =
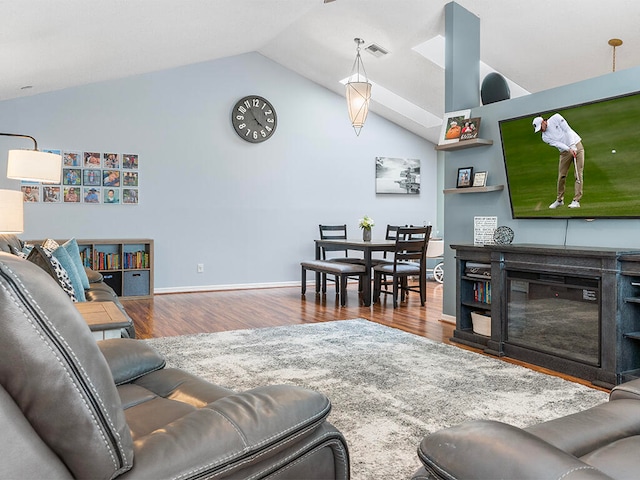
pixel 555 314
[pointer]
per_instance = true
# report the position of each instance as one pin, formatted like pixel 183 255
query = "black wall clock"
pixel 254 119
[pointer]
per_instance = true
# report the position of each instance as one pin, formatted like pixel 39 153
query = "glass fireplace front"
pixel 555 314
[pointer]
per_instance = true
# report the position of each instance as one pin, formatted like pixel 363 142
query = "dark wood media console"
pixel 575 310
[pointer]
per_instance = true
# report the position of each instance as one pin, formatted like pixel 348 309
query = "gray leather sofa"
pixel 98 290
pixel 599 443
pixel 71 407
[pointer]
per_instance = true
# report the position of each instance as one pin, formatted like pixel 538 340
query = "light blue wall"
pixel 461 208
pixel 248 212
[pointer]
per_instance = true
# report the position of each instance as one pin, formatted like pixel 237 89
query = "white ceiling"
pixel 55 44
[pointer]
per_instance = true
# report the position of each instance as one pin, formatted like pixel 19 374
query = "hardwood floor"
pixel 203 312
pixel 208 312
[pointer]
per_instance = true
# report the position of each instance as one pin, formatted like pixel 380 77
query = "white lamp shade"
pixel 34 166
pixel 358 96
pixel 11 211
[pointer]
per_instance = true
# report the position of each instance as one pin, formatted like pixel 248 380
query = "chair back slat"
pixel 333 232
pixel 411 245
pixel 392 233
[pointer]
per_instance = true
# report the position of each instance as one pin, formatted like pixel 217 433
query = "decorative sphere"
pixel 494 89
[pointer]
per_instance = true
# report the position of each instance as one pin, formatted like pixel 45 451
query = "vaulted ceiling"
pixel 47 45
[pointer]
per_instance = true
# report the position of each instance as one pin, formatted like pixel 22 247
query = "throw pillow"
pixel 71 246
pixel 52 266
pixel 68 264
pixel 50 244
pixel 26 250
pixel 17 252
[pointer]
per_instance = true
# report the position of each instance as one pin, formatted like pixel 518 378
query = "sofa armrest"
pixel 129 359
pixel 234 433
pixel 626 390
pixel 490 449
pixel 93 276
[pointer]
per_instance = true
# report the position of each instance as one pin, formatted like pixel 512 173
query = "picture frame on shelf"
pixel 452 126
pixel 480 179
pixel 465 175
pixel 470 129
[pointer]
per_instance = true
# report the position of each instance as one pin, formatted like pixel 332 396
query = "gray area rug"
pixel 388 388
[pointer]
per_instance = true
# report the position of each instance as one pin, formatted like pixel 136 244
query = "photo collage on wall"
pixel 91 178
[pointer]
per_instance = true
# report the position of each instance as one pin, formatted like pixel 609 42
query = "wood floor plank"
pixel 207 312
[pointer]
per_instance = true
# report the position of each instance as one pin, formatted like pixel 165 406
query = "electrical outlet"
pixel 200 267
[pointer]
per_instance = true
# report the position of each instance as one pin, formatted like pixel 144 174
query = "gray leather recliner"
pixel 601 442
pixel 74 408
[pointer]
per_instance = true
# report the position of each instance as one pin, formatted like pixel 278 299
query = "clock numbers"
pixel 254 119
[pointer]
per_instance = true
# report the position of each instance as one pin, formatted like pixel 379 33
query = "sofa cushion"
pixel 52 266
pixel 127 362
pixel 56 375
pixel 93 276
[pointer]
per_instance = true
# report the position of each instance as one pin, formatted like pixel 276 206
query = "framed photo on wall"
pixel 464 177
pixel 480 179
pixel 452 126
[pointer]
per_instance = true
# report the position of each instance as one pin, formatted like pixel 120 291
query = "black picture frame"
pixel 465 177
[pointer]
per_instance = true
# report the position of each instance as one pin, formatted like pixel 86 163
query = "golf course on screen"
pixel 611 183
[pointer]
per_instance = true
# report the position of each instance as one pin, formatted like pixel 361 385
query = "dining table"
pixel 368 248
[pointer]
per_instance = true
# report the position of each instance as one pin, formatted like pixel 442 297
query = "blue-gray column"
pixel 462 59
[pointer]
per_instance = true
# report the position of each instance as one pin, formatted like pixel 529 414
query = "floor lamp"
pixel 31 165
pixel 11 211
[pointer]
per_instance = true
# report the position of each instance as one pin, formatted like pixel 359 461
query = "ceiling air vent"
pixel 376 50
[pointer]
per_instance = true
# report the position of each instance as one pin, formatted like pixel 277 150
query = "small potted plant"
pixel 366 223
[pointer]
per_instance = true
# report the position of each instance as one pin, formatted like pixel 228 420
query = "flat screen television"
pixel 610 132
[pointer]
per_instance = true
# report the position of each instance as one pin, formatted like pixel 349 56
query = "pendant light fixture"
pixel 615 42
pixel 358 90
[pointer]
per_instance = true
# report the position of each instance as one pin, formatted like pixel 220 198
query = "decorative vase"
pixel 366 234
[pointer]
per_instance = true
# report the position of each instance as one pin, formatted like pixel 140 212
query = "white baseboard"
pixel 448 319
pixel 213 288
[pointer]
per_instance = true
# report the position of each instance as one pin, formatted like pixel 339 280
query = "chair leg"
pixel 304 280
pixel 423 292
pixel 396 281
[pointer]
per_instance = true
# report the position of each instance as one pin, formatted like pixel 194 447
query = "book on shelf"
pixel 108 261
pixel 482 292
pixel 136 260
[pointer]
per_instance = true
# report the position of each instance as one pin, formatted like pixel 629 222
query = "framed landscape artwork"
pixel 398 175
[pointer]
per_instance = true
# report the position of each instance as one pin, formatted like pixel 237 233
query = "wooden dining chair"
pixel 391 234
pixel 336 253
pixel 410 260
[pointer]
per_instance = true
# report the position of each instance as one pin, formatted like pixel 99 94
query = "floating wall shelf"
pixel 490 188
pixel 475 142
